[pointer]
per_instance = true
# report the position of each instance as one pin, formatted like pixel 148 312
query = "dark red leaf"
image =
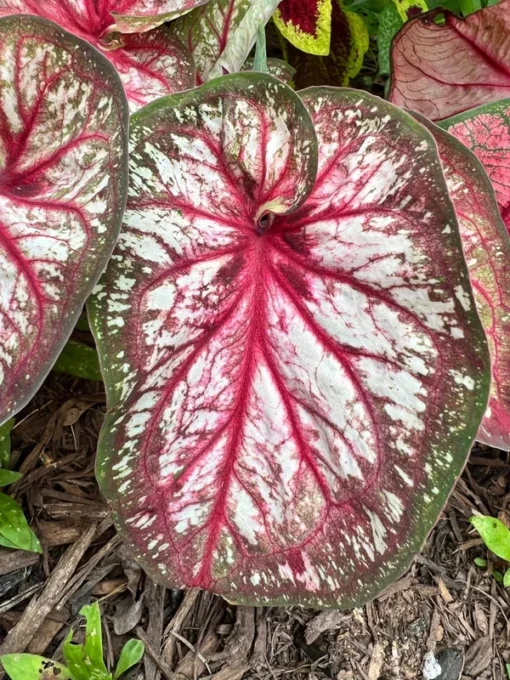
pixel 63 151
pixel 442 68
pixel 294 365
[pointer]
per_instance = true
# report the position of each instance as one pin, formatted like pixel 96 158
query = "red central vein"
pixel 238 415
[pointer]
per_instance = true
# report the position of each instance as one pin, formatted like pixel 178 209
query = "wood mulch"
pixel 445 614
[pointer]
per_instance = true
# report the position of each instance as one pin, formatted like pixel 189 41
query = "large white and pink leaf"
pixel 294 365
pixel 221 34
pixel 63 184
pixel 487 250
pixel 151 65
pixel 443 65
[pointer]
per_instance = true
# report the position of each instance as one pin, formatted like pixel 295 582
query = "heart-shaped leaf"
pixel 63 141
pixel 150 65
pixel 306 24
pixel 487 249
pixel 221 34
pixel 294 365
pixel 443 65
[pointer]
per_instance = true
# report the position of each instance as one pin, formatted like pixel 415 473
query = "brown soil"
pixel 445 607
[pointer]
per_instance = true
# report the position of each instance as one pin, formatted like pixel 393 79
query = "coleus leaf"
pixel 294 366
pixel 150 65
pixel 63 151
pixel 306 24
pixel 221 34
pixel 349 43
pixel 487 250
pixel 441 69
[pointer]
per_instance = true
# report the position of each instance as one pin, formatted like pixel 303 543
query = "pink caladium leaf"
pixel 294 365
pixel 487 250
pixel 485 130
pixel 150 65
pixel 440 69
pixel 63 179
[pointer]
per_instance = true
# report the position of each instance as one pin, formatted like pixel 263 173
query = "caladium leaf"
pixel 441 69
pixel 487 250
pixel 485 130
pixel 138 16
pixel 349 43
pixel 63 153
pixel 306 24
pixel 275 67
pixel 294 366
pixel 150 65
pixel 221 34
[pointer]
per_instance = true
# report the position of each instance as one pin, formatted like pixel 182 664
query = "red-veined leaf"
pixel 63 151
pixel 487 251
pixel 306 24
pixel 485 130
pixel 440 69
pixel 150 65
pixel 221 34
pixel 294 374
pixel 349 43
pixel 138 16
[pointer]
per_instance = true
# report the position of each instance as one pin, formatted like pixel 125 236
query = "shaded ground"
pixel 443 603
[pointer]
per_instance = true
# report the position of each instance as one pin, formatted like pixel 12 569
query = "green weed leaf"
pixel 79 360
pixel 33 667
pixel 86 660
pixel 130 655
pixel 14 529
pixel 495 535
pixel 9 477
pixel 5 443
pixel 506 578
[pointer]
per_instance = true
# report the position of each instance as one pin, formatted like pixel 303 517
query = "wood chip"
pixel 328 620
pixel 376 662
pixel 13 560
pixel 33 617
pixel 157 658
pixel 444 592
pixel 176 623
pixel 478 656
